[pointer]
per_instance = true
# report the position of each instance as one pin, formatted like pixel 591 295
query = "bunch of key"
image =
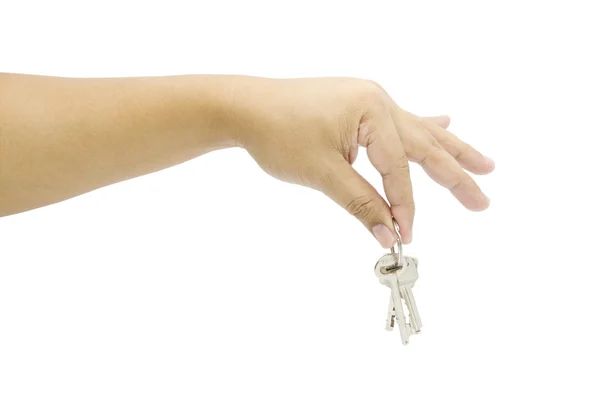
pixel 399 273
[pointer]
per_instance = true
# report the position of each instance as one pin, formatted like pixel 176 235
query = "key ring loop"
pixel 399 242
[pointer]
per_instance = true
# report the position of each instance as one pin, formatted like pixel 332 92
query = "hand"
pixel 307 131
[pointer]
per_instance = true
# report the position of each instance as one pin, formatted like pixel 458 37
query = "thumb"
pixel 350 190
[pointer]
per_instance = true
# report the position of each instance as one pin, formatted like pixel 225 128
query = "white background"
pixel 211 278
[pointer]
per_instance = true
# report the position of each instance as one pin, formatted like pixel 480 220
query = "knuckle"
pixel 425 128
pixel 459 183
pixel 432 150
pixel 463 150
pixel 361 207
pixel 459 155
pixel 371 94
pixel 375 84
pixel 402 165
pixel 435 145
pixel 410 148
pixel 400 168
pixel 367 135
pixel 408 204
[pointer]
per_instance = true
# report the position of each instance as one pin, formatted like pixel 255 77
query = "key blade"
pixel 401 319
pixel 415 318
pixel 391 315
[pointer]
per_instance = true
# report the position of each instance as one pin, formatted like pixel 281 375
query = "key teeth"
pixel 389 324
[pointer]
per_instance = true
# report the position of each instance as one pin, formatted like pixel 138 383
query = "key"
pixel 399 273
pixel 407 276
pixel 386 269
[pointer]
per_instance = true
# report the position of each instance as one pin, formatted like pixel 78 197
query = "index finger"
pixel 385 150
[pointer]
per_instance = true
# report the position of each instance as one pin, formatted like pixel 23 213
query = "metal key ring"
pixel 399 242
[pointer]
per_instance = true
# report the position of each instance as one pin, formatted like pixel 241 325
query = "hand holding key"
pixel 308 131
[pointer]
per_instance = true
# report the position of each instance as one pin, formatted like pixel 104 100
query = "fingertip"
pixel 442 121
pixel 484 205
pixel 480 202
pixel 470 195
pixel 480 165
pixel 446 120
pixel 490 164
pixel 406 233
pixel 404 216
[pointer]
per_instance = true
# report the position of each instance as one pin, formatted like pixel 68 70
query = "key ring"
pixel 399 263
pixel 399 242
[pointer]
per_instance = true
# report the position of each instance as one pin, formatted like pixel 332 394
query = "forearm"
pixel 62 137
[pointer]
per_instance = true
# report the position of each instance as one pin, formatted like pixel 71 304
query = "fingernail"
pixel 489 161
pixel 384 236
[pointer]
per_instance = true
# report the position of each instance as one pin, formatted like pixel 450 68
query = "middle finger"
pixel 442 167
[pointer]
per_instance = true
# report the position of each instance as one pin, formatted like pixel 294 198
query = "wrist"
pixel 216 122
pixel 237 110
pixel 247 111
pixel 232 109
pixel 204 107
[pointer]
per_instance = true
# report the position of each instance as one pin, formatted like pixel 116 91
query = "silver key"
pixel 400 274
pixel 407 276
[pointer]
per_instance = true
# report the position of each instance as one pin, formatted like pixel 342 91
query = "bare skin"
pixel 62 137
